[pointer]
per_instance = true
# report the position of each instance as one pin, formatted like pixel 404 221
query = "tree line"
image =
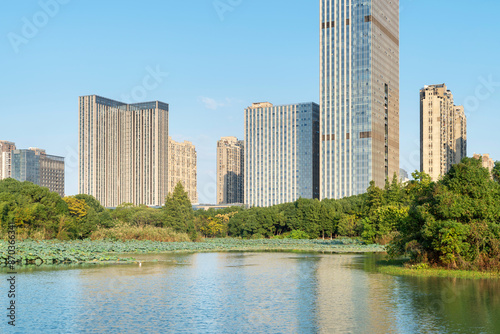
pixel 453 222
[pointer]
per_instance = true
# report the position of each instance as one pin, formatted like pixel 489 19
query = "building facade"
pixel 443 131
pixel 123 151
pixel 34 165
pixel 486 161
pixel 281 153
pixel 359 94
pixel 230 170
pixel 182 167
pixel 51 171
pixel 6 148
pixel 403 175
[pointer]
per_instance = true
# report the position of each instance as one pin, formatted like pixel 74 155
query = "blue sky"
pixel 212 63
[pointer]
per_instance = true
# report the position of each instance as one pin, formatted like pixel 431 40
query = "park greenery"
pixel 453 223
pixel 48 252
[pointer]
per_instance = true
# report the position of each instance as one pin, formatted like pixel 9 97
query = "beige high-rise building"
pixel 443 131
pixel 123 151
pixel 182 167
pixel 230 170
pixel 6 148
pixel 486 161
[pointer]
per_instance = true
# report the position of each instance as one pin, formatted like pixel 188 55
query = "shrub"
pixel 125 232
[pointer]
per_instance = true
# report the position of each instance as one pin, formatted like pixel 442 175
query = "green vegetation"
pixel 496 171
pixel 78 251
pixel 124 231
pixel 453 223
pixel 403 268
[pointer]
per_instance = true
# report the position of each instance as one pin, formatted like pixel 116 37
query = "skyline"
pixel 235 68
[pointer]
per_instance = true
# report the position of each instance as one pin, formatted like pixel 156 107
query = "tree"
pixel 375 196
pixel 454 222
pixel 393 193
pixel 77 208
pixel 91 202
pixel 496 171
pixel 179 211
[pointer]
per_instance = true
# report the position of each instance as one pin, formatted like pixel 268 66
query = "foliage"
pixel 179 211
pixel 298 234
pixel 77 208
pixel 425 270
pixel 125 232
pixel 216 226
pixel 454 222
pixel 496 171
pixel 32 208
pixel 382 222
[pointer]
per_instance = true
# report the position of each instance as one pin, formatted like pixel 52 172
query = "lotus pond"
pixel 86 251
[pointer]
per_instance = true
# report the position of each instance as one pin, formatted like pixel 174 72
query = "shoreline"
pixel 56 252
pixel 397 268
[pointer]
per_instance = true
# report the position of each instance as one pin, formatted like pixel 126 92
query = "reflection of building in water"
pixel 256 292
pixel 349 299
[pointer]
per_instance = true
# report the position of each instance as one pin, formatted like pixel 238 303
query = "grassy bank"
pixel 58 252
pixel 402 268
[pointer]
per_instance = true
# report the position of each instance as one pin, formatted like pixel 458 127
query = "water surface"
pixel 249 293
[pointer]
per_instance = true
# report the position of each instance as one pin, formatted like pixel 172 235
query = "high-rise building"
pixel 403 175
pixel 486 161
pixel 35 166
pixel 123 151
pixel 230 170
pixel 51 171
pixel 359 94
pixel 182 167
pixel 6 148
pixel 281 153
pixel 443 131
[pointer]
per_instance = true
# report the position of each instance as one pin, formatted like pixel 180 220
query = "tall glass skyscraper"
pixel 281 153
pixel 359 94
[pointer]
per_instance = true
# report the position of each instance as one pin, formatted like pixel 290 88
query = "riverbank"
pixel 103 251
pixel 399 268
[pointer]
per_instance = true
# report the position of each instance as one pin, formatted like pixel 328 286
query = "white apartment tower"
pixel 443 131
pixel 281 153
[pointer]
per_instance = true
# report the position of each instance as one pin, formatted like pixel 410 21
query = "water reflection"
pixel 250 293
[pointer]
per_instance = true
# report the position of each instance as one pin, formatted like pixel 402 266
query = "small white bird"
pixel 140 264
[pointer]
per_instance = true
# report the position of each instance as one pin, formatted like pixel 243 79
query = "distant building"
pixel 6 148
pixel 443 131
pixel 487 162
pixel 359 95
pixel 281 153
pixel 182 167
pixel 403 175
pixel 35 166
pixel 123 151
pixel 230 170
pixel 207 207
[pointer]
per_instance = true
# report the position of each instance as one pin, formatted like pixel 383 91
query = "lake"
pixel 248 293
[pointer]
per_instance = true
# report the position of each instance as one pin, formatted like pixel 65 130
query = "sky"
pixel 210 59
